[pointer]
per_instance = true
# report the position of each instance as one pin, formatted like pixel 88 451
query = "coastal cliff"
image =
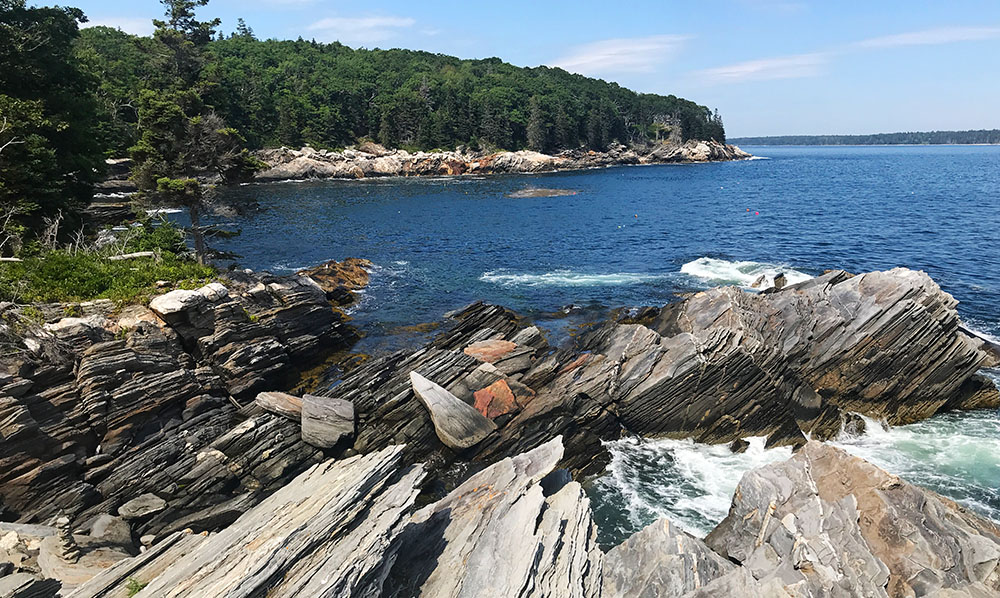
pixel 125 432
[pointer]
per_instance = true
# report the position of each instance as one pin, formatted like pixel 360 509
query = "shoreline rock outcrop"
pixel 372 160
pixel 822 524
pixel 174 419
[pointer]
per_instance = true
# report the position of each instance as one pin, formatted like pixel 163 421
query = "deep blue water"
pixel 622 240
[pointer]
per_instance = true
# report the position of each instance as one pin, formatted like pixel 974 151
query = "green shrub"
pixel 65 276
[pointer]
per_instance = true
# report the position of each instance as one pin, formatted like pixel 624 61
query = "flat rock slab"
pixel 489 351
pixel 457 424
pixel 141 506
pixel 326 421
pixel 281 403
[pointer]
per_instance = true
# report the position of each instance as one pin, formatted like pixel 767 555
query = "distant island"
pixel 980 136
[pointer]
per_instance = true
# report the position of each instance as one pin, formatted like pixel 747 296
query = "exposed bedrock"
pixel 821 525
pixel 721 365
pixel 372 160
pixel 97 411
pixel 180 405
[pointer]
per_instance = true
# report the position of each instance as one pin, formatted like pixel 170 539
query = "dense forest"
pixel 919 138
pixel 329 95
pixel 189 100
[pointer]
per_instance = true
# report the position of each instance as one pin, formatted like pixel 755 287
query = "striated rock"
pixel 327 533
pixel 95 419
pixel 325 421
pixel 25 585
pixel 834 525
pixel 659 561
pixel 280 403
pixel 458 425
pixel 502 534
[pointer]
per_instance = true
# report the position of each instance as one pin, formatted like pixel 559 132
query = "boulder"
pixel 113 530
pixel 142 506
pixel 458 425
pixel 326 421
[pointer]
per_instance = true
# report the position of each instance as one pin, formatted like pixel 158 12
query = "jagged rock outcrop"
pixel 825 523
pixel 98 410
pixel 721 365
pixel 372 160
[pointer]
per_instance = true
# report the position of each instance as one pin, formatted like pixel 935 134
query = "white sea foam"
pixel 690 483
pixel 156 211
pixel 745 273
pixel 568 278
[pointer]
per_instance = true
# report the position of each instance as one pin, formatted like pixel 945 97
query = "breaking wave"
pixel 568 278
pixel 744 274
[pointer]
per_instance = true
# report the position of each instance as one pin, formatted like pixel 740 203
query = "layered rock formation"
pixel 823 524
pixel 96 411
pixel 721 365
pixel 170 418
pixel 372 160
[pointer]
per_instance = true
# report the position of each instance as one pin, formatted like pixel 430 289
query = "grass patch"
pixel 133 586
pixel 83 275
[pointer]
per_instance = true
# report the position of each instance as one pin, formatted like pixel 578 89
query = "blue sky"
pixel 771 67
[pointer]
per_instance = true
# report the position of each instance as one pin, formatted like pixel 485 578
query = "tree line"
pixel 981 136
pixel 189 101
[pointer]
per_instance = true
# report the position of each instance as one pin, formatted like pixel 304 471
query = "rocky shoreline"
pixel 370 160
pixel 161 442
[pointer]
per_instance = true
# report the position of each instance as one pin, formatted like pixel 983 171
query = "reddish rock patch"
pixel 489 351
pixel 496 399
pixel 338 279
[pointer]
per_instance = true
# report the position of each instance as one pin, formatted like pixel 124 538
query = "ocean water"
pixel 638 236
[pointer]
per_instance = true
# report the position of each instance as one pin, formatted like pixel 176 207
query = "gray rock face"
pixel 142 506
pixel 829 524
pixel 499 534
pixel 661 561
pixel 325 421
pixel 113 530
pixel 327 533
pixel 458 425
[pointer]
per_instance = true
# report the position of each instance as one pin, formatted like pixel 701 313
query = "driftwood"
pixel 132 256
pixel 10 259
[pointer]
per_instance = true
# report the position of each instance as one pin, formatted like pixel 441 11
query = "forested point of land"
pixel 980 136
pixel 190 100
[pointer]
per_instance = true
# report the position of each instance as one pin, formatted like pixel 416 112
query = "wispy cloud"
pixel 135 26
pixel 622 55
pixel 811 64
pixel 930 37
pixel 360 31
pixel 779 67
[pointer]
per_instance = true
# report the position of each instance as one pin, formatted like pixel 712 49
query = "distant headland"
pixel 976 137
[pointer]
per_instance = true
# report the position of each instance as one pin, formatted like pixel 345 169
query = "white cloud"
pixel 360 31
pixel 780 67
pixel 135 26
pixel 943 35
pixel 623 55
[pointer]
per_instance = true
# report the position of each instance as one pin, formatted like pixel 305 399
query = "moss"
pixel 133 586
